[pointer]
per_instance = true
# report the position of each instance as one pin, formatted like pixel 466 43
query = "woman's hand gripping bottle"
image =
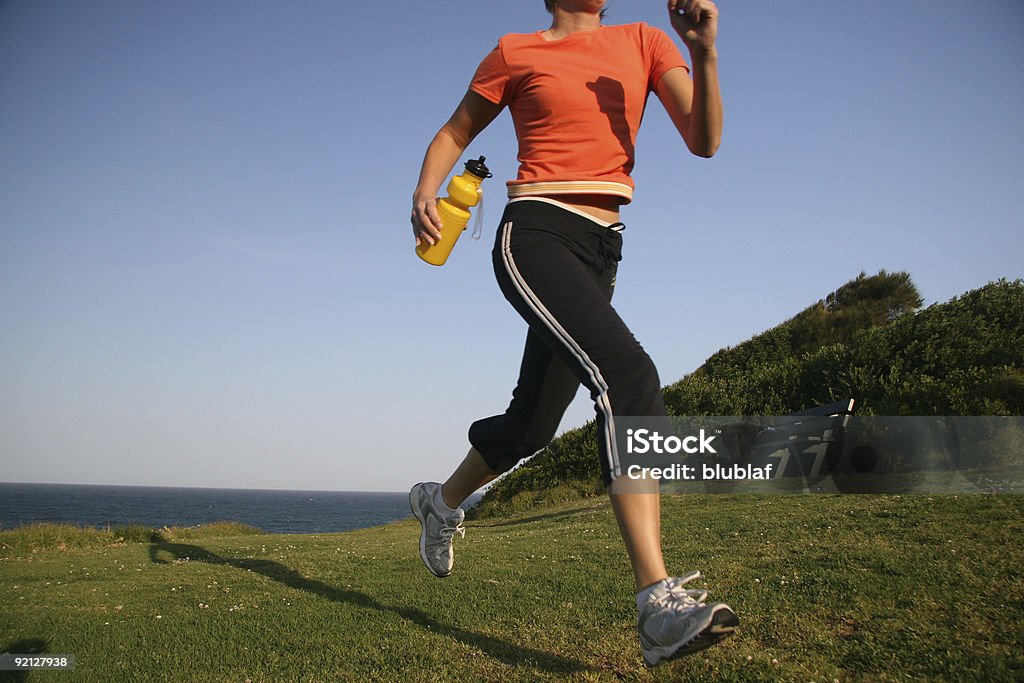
pixel 463 192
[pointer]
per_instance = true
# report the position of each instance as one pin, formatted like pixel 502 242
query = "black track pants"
pixel 557 266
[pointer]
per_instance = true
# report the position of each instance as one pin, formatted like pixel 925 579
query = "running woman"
pixel 576 93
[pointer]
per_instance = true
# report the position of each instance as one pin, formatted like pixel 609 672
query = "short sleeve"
pixel 491 80
pixel 662 54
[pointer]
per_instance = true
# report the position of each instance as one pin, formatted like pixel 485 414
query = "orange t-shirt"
pixel 576 104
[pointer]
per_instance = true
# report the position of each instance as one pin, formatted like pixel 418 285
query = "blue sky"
pixel 206 268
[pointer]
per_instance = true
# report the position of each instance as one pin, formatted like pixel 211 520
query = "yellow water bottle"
pixel 463 192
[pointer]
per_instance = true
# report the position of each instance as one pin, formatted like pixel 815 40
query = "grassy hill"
pixel 864 341
pixel 827 587
pixel 848 588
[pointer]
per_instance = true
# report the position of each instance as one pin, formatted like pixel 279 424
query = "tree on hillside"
pixel 861 303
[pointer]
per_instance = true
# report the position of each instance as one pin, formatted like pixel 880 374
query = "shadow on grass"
pixel 501 650
pixel 533 518
pixel 25 646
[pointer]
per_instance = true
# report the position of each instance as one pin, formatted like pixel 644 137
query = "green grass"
pixel 854 588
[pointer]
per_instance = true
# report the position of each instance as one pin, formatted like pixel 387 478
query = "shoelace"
pixel 677 601
pixel 695 595
pixel 447 532
pixel 680 599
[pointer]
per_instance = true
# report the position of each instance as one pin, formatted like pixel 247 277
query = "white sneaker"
pixel 672 623
pixel 436 529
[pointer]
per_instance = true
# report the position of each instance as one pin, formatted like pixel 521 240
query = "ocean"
pixel 273 511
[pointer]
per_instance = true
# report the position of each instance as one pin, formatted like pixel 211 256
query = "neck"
pixel 566 22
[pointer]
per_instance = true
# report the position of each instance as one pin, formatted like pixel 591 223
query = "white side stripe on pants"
pixel 603 401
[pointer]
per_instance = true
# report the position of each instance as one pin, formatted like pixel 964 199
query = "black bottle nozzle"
pixel 478 168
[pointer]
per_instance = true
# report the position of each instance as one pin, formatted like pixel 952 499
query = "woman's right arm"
pixel 472 115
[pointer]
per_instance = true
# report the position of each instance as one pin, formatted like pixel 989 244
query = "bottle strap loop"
pixel 478 224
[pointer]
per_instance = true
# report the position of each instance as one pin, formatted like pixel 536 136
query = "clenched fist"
pixel 696 22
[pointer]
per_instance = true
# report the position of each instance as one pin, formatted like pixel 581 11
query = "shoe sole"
pixel 720 624
pixel 415 507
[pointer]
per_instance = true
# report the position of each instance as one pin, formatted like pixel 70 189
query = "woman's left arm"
pixel 695 106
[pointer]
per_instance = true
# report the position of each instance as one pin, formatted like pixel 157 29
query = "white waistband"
pixel 618 227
